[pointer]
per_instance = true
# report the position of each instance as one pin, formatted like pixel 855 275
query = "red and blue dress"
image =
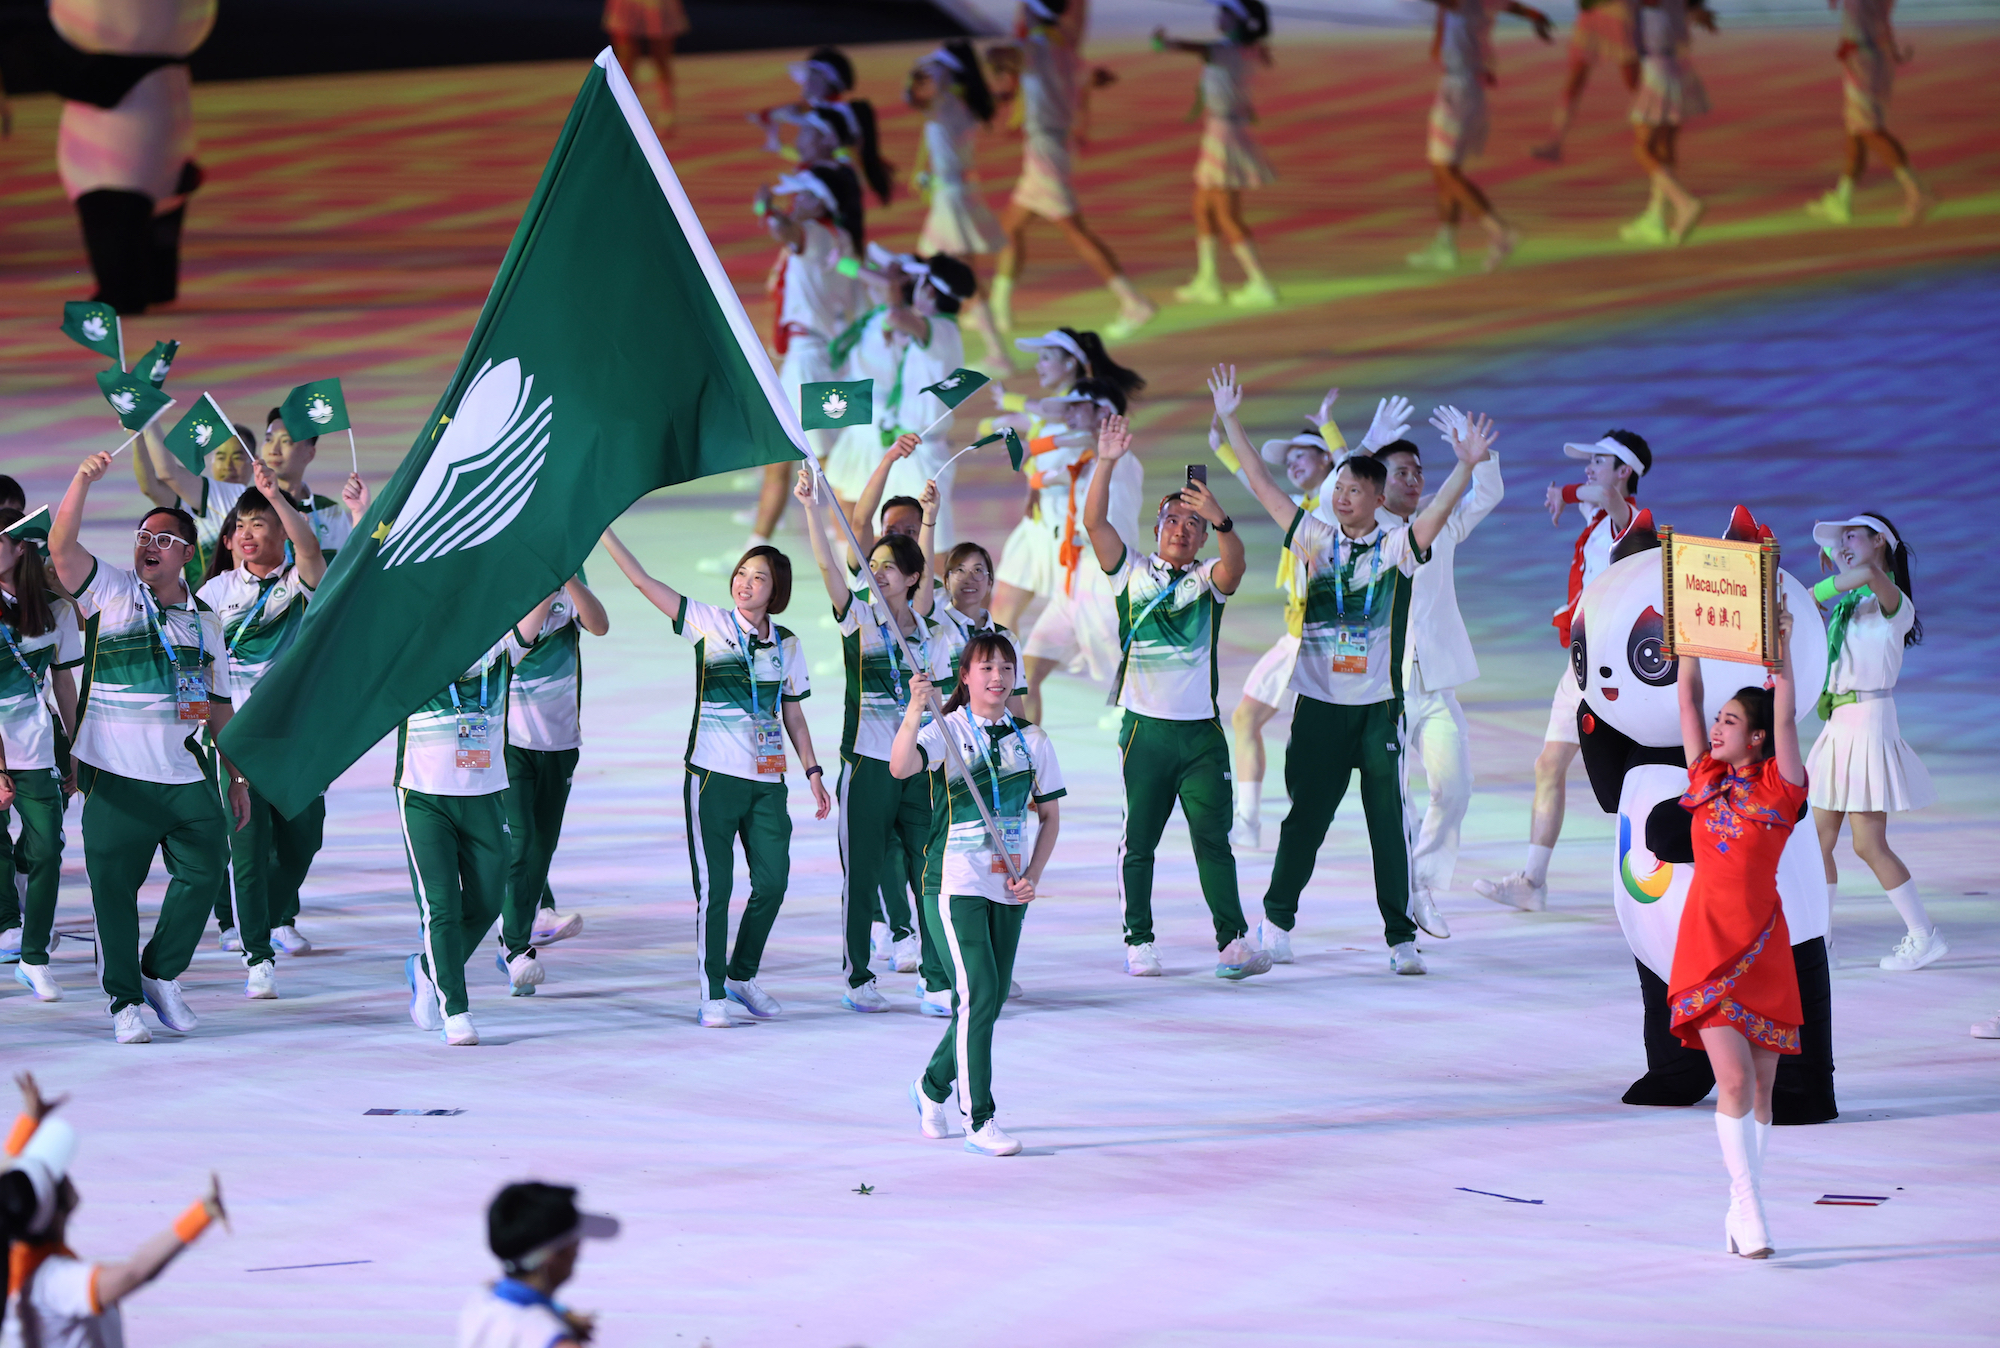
pixel 1733 960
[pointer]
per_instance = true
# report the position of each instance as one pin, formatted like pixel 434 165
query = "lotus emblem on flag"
pixel 159 370
pixel 951 383
pixel 480 475
pixel 319 409
pixel 124 401
pixel 95 328
pixel 834 405
pixel 203 434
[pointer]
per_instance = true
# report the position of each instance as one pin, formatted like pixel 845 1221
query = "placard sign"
pixel 1720 598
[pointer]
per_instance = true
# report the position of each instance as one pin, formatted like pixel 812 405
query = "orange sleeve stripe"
pixel 96 1306
pixel 17 1138
pixel 191 1223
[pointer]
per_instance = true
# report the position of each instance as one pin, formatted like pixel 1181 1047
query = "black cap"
pixel 528 1219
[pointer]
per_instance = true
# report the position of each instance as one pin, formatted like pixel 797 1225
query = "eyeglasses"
pixel 147 539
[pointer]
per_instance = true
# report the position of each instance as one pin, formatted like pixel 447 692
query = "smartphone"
pixel 1197 472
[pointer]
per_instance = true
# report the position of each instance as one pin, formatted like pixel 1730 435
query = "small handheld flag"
pixel 133 397
pixel 314 409
pixel 826 407
pixel 31 529
pixel 957 386
pixel 1015 454
pixel 198 433
pixel 156 362
pixel 91 324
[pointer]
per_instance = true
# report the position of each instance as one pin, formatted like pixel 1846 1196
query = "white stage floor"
pixel 1289 1160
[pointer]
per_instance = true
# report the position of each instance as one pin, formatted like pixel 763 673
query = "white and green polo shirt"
pixel 959 629
pixel 1168 625
pixel 878 683
pixel 1017 756
pixel 1353 586
pixel 730 660
pixel 27 728
pixel 427 742
pixel 260 619
pixel 544 710
pixel 128 718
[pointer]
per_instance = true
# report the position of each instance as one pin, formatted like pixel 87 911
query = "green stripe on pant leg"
pixel 766 831
pixel 1382 799
pixel 1210 807
pixel 38 802
pixel 713 805
pixel 1322 751
pixel 458 853
pixel 869 795
pixel 981 938
pixel 538 786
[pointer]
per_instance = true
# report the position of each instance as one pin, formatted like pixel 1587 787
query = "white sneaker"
pixel 1141 961
pixel 1246 835
pixel 746 994
pixel 988 1140
pixel 551 926
pixel 881 945
pixel 10 944
pixel 867 997
pixel 459 1031
pixel 1275 941
pixel 934 1003
pixel 1239 960
pixel 1424 912
pixel 424 1011
pixel 127 1028
pixel 524 972
pixel 1914 952
pixel 230 942
pixel 909 954
pixel 37 979
pixel 261 983
pixel 1987 1029
pixel 930 1114
pixel 1404 959
pixel 714 1014
pixel 287 939
pixel 1516 891
pixel 1014 993
pixel 164 996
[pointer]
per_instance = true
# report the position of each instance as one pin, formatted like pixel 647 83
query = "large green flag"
pixel 612 358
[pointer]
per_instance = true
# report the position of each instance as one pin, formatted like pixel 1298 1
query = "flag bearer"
pixel 1349 673
pixel 156 672
pixel 970 899
pixel 1170 741
pixel 544 733
pixel 260 596
pixel 451 784
pixel 750 676
pixel 44 643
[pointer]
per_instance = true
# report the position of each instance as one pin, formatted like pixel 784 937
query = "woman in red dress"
pixel 1734 990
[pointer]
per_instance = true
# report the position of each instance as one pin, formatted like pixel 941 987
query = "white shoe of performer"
pixel 127 1028
pixel 1985 1029
pixel 714 1015
pixel 424 1012
pixel 1743 1229
pixel 164 996
pixel 1424 912
pixel 287 939
pixel 1275 942
pixel 867 997
pixel 988 1140
pixel 746 994
pixel 908 954
pixel 1404 959
pixel 551 926
pixel 261 982
pixel 37 979
pixel 459 1031
pixel 1141 961
pixel 1914 952
pixel 230 942
pixel 934 1003
pixel 930 1114
pixel 1239 960
pixel 1246 835
pixel 1516 891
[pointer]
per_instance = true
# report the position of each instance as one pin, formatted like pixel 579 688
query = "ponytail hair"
pixel 1105 368
pixel 971 80
pixel 984 646
pixel 1899 571
pixel 30 613
pixel 869 141
pixel 1757 715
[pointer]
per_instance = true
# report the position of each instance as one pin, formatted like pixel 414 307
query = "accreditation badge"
pixel 1350 650
pixel 768 739
pixel 191 696
pixel 1010 833
pixel 474 751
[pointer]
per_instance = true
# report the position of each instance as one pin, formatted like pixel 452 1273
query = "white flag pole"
pixel 143 429
pixel 118 325
pixel 939 422
pixel 355 453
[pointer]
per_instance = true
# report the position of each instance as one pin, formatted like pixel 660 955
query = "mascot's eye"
pixel 1579 653
pixel 1645 650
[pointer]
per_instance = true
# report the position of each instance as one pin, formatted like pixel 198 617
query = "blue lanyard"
pixel 264 592
pixel 159 630
pixel 1341 578
pixel 889 652
pixel 7 631
pixel 987 752
pixel 457 706
pixel 750 662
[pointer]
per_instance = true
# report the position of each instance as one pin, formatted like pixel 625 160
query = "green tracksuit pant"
pixel 720 810
pixel 896 892
pixel 269 856
pixel 877 812
pixel 457 847
pixel 980 938
pixel 38 800
pixel 1328 743
pixel 537 794
pixel 125 821
pixel 1188 761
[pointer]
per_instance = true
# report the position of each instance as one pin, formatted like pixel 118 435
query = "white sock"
pixel 756 541
pixel 1249 799
pixel 1537 868
pixel 1911 908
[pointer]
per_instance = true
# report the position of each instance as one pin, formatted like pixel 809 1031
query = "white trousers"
pixel 1438 737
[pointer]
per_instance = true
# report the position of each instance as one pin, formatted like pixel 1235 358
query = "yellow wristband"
pixel 1330 433
pixel 192 1222
pixel 1227 453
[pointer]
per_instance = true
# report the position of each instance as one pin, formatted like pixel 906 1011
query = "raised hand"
pixel 803 488
pixel 1326 407
pixel 1214 435
pixel 1475 445
pixel 904 446
pixel 32 1103
pixel 929 501
pixel 1197 496
pixel 1391 423
pixel 1552 501
pixel 1114 437
pixel 1222 386
pixel 1448 421
pixel 94 467
pixel 263 478
pixel 354 494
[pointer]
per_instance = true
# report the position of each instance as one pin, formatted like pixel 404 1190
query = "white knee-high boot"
pixel 1743 1228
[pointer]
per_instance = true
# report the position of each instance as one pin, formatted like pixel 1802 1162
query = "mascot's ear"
pixel 1670 833
pixel 1640 536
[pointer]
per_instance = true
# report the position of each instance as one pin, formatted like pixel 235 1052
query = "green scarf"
pixel 1836 637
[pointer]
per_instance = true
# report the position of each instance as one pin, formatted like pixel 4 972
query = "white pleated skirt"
pixel 1860 762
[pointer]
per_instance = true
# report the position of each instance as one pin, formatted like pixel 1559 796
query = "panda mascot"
pixel 1629 728
pixel 125 146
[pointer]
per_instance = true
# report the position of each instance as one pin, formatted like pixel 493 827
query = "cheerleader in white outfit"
pixel 1669 93
pixel 949 88
pixel 1860 769
pixel 1229 160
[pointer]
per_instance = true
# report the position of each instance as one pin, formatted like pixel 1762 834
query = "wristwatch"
pixel 1228 526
